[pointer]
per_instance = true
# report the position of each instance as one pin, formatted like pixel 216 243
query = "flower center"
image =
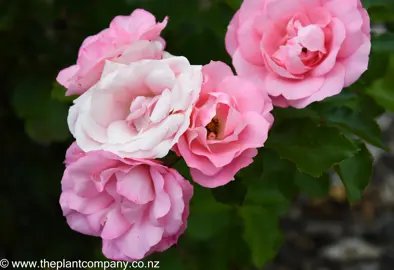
pixel 213 129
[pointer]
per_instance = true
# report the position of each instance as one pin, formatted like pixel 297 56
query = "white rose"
pixel 138 110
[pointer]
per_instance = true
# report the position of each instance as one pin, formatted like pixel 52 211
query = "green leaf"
pixel 355 99
pixel 45 118
pixel 373 3
pixel 234 4
pixel 168 260
pixel 226 249
pixel 261 233
pixel 273 185
pixel 314 149
pixel 383 94
pixel 383 43
pixel 380 14
pixel 59 93
pixel 51 126
pixel 355 122
pixel 355 173
pixel 292 113
pixel 377 68
pixel 313 187
pixel 232 193
pixel 207 216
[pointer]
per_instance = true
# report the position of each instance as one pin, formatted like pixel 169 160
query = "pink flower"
pixel 137 110
pixel 230 120
pixel 300 51
pixel 136 206
pixel 128 39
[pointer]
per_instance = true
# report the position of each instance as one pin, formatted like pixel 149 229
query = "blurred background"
pixel 40 37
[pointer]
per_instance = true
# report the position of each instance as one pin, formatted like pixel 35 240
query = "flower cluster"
pixel 137 102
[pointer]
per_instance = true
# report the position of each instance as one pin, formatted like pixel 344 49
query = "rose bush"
pixel 137 102
pixel 128 39
pixel 300 51
pixel 135 206
pixel 137 110
pixel 230 120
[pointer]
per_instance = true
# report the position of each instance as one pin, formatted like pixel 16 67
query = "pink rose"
pixel 136 206
pixel 137 110
pixel 300 51
pixel 230 120
pixel 128 39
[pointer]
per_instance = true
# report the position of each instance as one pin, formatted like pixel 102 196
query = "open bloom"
pixel 300 51
pixel 230 120
pixel 137 110
pixel 128 39
pixel 136 206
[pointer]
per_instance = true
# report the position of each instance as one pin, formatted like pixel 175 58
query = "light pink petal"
pixel 173 220
pixel 319 16
pixel 160 78
pixel 155 31
pixel 231 35
pixel 83 205
pixel 107 107
pixel 139 240
pixel 246 95
pixel 79 223
pixel 214 73
pixel 136 185
pixel 357 63
pixel 250 8
pixel 280 101
pixel 332 86
pixel 119 132
pixel 111 251
pixel 114 225
pixel 246 69
pixel 255 133
pixel 161 205
pixel 162 108
pixel 366 28
pixel 134 25
pixel 281 71
pixel 96 220
pixel 73 153
pixel 280 9
pixel 339 8
pixel 312 37
pixel 249 42
pixel 293 89
pixel 133 212
pixel 293 62
pixel 140 50
pixel 311 4
pixel 66 76
pixel 195 161
pixel 338 36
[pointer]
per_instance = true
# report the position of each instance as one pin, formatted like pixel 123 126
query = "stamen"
pixel 213 129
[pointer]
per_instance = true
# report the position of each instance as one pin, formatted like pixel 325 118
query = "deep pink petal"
pixel 226 174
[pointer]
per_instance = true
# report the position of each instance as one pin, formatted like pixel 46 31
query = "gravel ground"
pixel 332 235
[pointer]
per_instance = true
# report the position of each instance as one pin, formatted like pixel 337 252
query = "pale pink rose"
pixel 230 120
pixel 128 39
pixel 300 51
pixel 136 206
pixel 137 110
